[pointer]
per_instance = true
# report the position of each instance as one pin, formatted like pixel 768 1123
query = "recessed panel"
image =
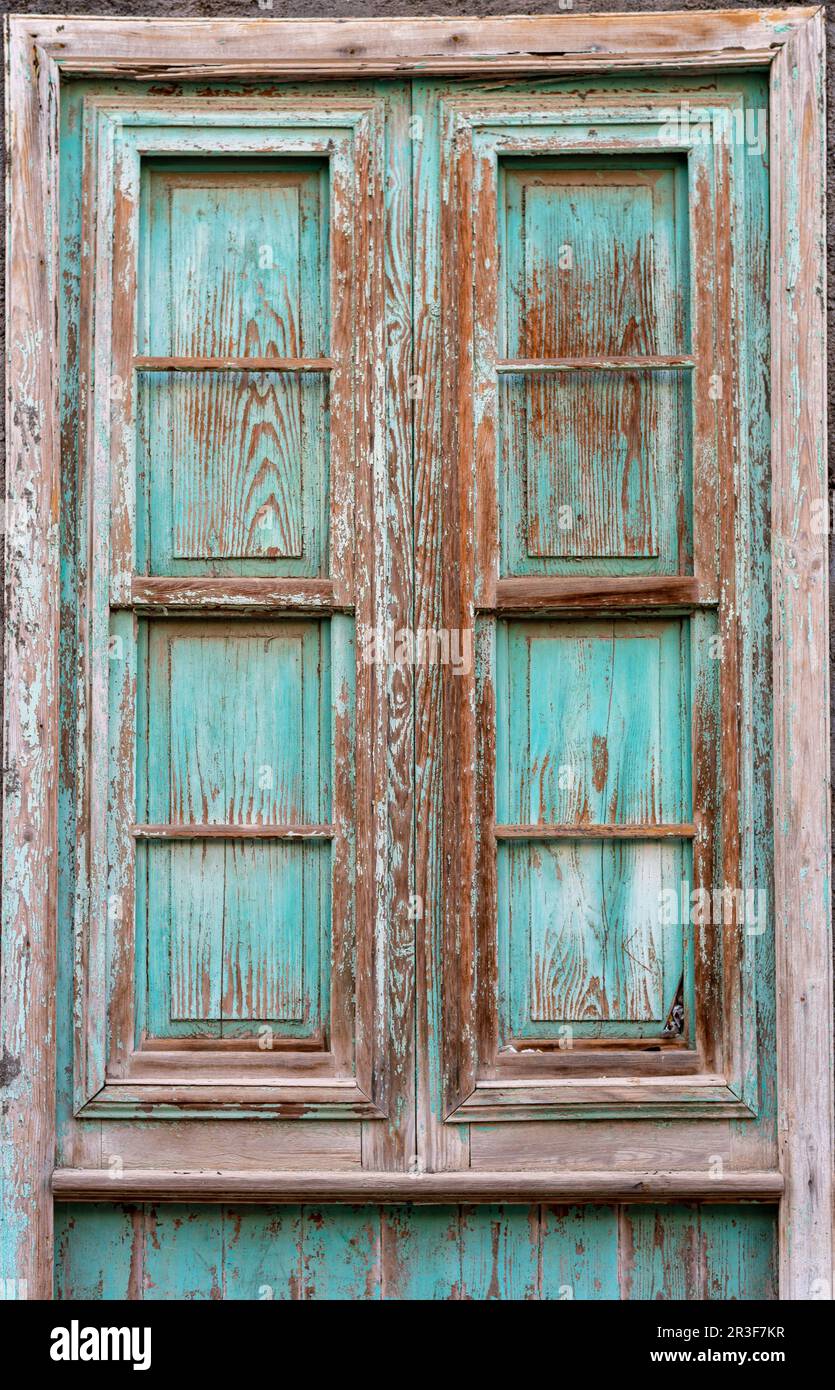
pixel 234 721
pixel 236 933
pixel 593 735
pixel 593 722
pixel 595 462
pixel 234 463
pixel 589 936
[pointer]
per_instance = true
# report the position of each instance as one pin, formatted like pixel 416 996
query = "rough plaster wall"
pixel 337 9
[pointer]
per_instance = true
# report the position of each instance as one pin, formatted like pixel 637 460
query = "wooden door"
pixel 416 772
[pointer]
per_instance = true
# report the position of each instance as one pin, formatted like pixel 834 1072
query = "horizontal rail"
pixel 180 1049
pixel 175 594
pixel 234 364
pixel 532 365
pixel 468 1185
pixel 232 832
pixel 678 831
pixel 568 594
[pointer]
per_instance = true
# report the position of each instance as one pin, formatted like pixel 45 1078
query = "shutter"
pixel 233 932
pixel 590 279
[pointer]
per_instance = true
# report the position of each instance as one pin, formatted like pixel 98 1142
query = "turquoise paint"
pixel 579 1253
pixel 233 720
pixel 94 1254
pixel 233 262
pixel 397 1253
pixel 595 721
pixel 499 1252
pixel 599 717
pixel 422 1253
pixel 595 472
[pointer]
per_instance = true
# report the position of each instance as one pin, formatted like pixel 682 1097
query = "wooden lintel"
pixel 151 1185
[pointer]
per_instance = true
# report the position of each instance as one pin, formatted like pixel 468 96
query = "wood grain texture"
pixel 596 720
pixel 697 1253
pixel 352 131
pixel 90 1185
pixel 592 269
pixel 30 673
pixel 441 1146
pixel 232 364
pixel 522 44
pixel 697 28
pixel 234 265
pixel 554 594
pixel 800 596
pixel 160 594
pixel 406 1253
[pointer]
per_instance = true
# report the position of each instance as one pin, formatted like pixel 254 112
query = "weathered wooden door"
pixel 415 690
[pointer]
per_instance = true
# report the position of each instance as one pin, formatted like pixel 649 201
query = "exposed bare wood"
pixel 233 364
pixel 135 1184
pixel 608 1045
pixel 595 364
pixel 522 44
pixel 232 832
pixel 801 705
pixel 315 1043
pixel 600 594
pixel 652 1059
pixel 684 831
pixel 160 593
pixel 30 706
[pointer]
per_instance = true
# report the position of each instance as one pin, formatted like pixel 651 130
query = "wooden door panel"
pixel 235 264
pixel 596 464
pixel 235 934
pixel 238 311
pixel 582 940
pixel 591 412
pixel 237 722
pixel 592 758
pixel 593 722
pixel 595 256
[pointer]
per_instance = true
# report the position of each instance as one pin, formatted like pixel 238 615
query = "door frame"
pixel 789 43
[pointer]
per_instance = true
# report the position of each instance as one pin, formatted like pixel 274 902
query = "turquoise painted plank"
pixel 234 940
pixel 740 1252
pixel 406 1253
pixel 594 720
pixel 341 1253
pixel 660 1256
pixel 499 1252
pixel 234 712
pixel 596 466
pixel 235 263
pixel 262 1253
pixel 183 1252
pixel 233 934
pixel 585 940
pixel 579 1253
pixel 599 722
pixel 421 1255
pixel 99 1252
pixel 186 978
